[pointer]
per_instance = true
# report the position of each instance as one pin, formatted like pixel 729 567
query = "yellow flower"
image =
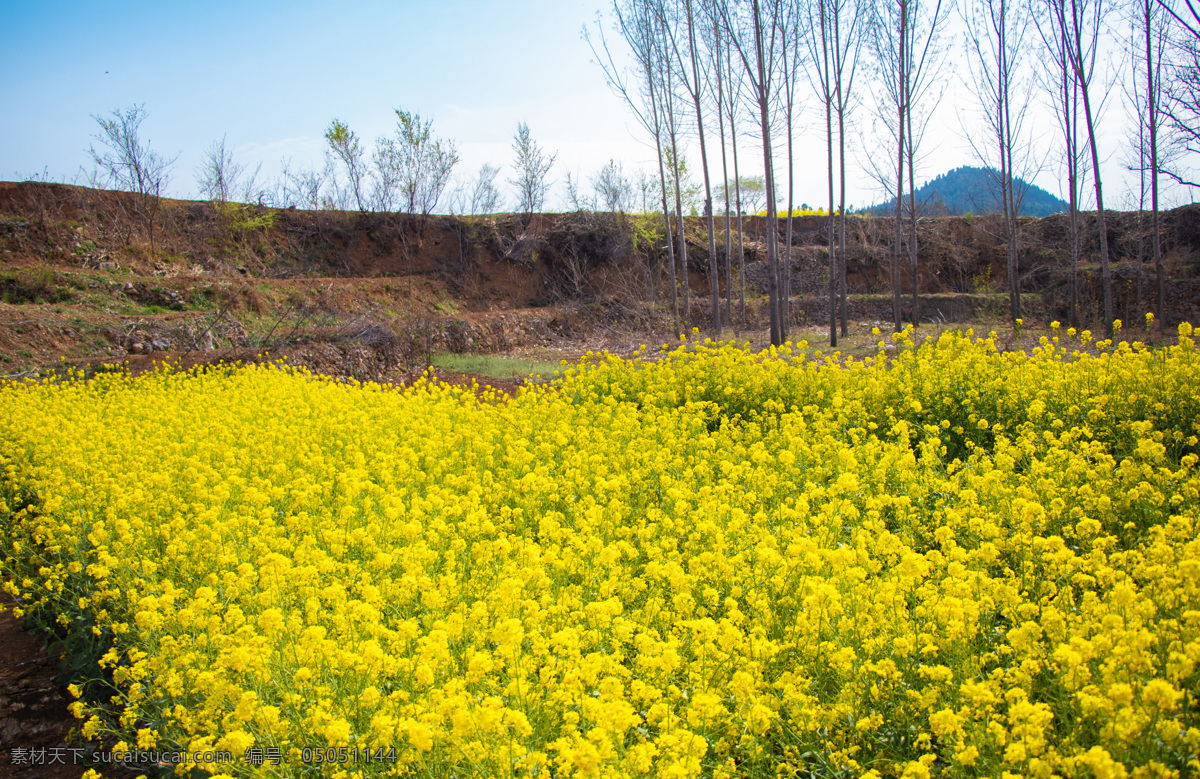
pixel 669 567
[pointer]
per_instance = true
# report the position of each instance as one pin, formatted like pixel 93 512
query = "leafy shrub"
pixel 32 285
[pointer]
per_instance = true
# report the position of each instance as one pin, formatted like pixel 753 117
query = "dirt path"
pixel 35 724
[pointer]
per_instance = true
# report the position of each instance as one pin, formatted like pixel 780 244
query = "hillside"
pixel 974 190
pixel 370 294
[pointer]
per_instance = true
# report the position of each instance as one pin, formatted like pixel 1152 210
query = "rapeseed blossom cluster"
pixel 953 562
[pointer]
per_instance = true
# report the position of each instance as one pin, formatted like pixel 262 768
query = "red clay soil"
pixel 481 383
pixel 33 709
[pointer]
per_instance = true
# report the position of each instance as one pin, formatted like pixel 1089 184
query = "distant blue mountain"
pixel 974 190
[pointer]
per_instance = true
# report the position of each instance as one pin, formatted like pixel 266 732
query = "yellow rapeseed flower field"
pixel 953 562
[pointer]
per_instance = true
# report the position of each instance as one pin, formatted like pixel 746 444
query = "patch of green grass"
pixel 32 285
pixel 199 300
pixel 494 366
pixel 447 307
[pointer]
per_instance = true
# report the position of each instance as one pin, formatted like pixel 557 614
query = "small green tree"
pixel 532 167
pixel 344 144
pixel 753 191
pixel 613 189
pixel 691 192
pixel 418 163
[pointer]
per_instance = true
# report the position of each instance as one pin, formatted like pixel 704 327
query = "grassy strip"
pixel 494 366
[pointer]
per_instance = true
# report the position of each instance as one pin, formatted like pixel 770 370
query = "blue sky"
pixel 270 76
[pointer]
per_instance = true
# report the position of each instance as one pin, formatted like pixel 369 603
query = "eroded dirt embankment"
pixel 94 275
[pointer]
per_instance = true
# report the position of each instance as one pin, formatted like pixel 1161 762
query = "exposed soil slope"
pixel 365 293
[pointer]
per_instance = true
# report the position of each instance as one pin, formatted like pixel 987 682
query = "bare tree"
pixel 346 147
pixel 716 45
pixel 791 62
pixel 532 167
pixel 1181 104
pixel 821 53
pixel 639 22
pixel 890 44
pixel 644 184
pixel 694 86
pixel 614 192
pixel 1058 79
pixel 219 173
pixel 304 187
pixel 850 22
pixel 485 196
pixel 1136 161
pixel 908 49
pixel 736 79
pixel 126 162
pixel 575 200
pixel 1080 23
pixel 757 42
pixel 997 33
pixel 676 164
pixel 924 93
pixel 1152 31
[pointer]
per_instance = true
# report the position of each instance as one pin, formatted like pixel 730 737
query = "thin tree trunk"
pixel 896 251
pixel 785 270
pixel 841 218
pixel 1141 219
pixel 1008 187
pixel 785 262
pixel 714 278
pixel 1105 270
pixel 769 181
pixel 685 275
pixel 1152 76
pixel 1075 251
pixel 912 217
pixel 1014 236
pixel 1003 141
pixel 670 247
pixel 1071 121
pixel 830 223
pixel 737 188
pixel 844 291
pixel 724 174
pixel 662 179
pixel 683 261
pixel 741 233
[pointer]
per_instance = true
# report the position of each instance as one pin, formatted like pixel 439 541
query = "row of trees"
pixel 412 172
pixel 717 71
pixel 409 171
pixel 728 65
